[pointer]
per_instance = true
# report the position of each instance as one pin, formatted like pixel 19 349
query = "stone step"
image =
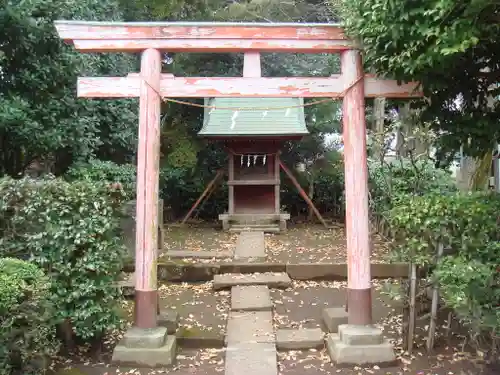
pixel 246 218
pixel 176 254
pixel 250 327
pixel 299 339
pixel 250 246
pixel 251 298
pixel 272 280
pixel 238 228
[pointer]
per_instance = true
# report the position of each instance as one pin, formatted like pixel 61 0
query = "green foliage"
pixel 70 230
pixel 40 114
pixel 464 222
pixel 26 318
pixel 472 289
pixel 391 182
pixel 105 171
pixel 467 223
pixel 448 46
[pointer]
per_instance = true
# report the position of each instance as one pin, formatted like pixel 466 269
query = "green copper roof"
pixel 261 122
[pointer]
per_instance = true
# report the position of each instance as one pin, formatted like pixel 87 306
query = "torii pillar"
pixel 359 301
pixel 148 166
pixel 146 343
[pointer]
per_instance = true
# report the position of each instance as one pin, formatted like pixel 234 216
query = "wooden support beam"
pixel 303 194
pixel 202 36
pixel 359 303
pixel 202 196
pixel 146 294
pixel 201 87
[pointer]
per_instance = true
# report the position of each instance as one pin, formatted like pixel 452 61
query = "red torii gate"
pixel 151 85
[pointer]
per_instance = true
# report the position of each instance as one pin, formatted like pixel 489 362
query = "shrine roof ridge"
pixel 196 24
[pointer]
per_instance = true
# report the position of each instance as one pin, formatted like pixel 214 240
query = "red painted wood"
pixel 200 87
pixel 356 176
pixel 206 193
pixel 71 30
pixel 147 184
pixel 254 199
pixel 252 65
pixel 213 45
pixel 302 193
pixel 172 37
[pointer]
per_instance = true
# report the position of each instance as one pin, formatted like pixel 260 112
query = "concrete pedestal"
pixel 145 347
pixel 360 345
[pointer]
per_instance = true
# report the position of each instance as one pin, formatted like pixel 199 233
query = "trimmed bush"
pixel 105 171
pixel 72 231
pixel 389 182
pixel 468 275
pixel 27 331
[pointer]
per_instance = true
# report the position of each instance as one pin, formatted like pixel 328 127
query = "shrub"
pixel 71 230
pixel 467 224
pixel 389 182
pixel 105 171
pixel 26 318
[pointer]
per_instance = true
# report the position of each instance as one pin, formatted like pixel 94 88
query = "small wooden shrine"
pixel 253 130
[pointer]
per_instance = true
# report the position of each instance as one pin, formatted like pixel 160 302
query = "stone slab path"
pixel 251 342
pixel 250 247
pixel 250 338
pixel 251 298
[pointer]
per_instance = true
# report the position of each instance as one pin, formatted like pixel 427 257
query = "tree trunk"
pixel 379 134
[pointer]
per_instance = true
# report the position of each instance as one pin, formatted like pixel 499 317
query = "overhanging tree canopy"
pixel 450 47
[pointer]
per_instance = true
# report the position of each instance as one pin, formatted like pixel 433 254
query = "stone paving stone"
pixel 250 246
pixel 333 317
pixel 273 280
pixel 250 327
pixel 251 359
pixel 198 254
pixel 302 338
pixel 251 298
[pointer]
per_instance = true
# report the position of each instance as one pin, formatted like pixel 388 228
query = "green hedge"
pixel 72 231
pixel 389 182
pixel 468 275
pixel 27 332
pixel 105 171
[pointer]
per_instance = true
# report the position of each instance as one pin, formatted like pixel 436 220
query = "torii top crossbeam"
pixel 150 85
pixel 219 37
pixel 204 36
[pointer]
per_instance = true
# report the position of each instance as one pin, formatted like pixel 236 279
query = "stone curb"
pixel 187 272
pixel 199 339
pixel 200 342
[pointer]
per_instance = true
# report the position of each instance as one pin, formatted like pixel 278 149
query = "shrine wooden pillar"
pixel 359 302
pixel 148 156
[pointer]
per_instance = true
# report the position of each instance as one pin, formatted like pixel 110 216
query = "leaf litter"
pixel 307 243
pixel 301 305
